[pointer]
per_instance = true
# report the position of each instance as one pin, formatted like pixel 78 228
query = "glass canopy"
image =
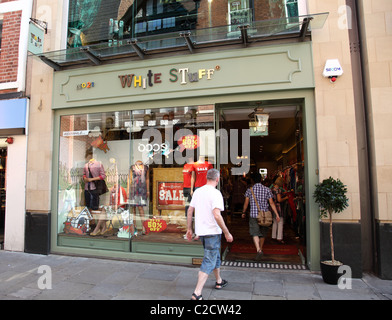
pixel 188 40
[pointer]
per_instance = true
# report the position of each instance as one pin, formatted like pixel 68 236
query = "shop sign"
pixel 85 85
pixel 170 195
pixel 154 225
pixel 189 142
pixel 36 39
pixel 184 75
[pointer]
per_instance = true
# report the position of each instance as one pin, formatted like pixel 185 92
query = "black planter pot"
pixel 330 273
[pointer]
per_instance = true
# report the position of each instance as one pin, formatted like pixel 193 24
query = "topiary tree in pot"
pixel 330 195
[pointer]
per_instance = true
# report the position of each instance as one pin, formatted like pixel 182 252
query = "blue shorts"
pixel 212 258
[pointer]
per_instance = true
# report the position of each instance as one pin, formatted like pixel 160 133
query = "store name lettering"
pixel 85 85
pixel 139 81
pixel 184 75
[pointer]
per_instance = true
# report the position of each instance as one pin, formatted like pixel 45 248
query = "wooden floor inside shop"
pixel 242 248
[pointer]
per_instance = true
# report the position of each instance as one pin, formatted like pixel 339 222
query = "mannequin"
pixel 200 173
pixel 189 181
pixel 93 171
pixel 139 188
pixel 117 199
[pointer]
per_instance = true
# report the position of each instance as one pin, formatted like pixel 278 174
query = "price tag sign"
pixel 154 225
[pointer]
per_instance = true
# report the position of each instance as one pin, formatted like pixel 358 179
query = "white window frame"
pixel 26 7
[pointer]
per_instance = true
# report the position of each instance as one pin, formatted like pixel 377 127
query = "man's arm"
pixel 189 231
pixel 221 224
pixel 272 204
pixel 246 203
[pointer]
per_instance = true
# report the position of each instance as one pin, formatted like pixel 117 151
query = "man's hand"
pixel 189 234
pixel 229 237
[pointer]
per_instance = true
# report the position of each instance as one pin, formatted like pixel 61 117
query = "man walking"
pixel 264 198
pixel 207 202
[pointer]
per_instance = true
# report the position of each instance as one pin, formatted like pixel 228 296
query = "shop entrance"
pixel 275 151
pixel 3 163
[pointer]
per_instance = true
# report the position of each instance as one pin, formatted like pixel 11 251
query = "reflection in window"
pixel 143 157
pixel 95 21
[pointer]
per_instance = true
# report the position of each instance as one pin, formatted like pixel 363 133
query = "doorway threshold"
pixel 264 265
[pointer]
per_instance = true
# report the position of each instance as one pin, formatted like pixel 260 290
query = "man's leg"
pixel 217 275
pixel 261 243
pixel 201 280
pixel 256 241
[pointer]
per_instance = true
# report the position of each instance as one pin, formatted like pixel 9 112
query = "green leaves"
pixel 330 194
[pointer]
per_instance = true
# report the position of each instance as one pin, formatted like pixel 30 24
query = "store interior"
pixel 277 151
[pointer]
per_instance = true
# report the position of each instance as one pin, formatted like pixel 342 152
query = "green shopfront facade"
pixel 108 110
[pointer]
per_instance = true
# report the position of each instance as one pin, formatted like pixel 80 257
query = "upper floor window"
pixel 95 21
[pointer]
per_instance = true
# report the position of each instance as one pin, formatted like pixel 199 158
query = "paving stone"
pixel 269 288
pixel 159 274
pixel 91 279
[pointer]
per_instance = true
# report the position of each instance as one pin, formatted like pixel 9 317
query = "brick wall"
pixel 10 46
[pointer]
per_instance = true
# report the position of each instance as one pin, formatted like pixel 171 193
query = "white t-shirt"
pixel 205 200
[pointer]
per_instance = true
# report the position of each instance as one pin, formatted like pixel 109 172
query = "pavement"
pixel 26 276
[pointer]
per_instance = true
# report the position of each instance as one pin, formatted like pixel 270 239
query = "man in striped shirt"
pixel 265 200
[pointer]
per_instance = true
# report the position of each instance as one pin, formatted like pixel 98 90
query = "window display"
pixel 146 159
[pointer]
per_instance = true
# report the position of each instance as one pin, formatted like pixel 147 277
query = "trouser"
pixel 92 199
pixel 187 198
pixel 277 229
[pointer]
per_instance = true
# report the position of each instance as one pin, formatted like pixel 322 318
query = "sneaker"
pixel 259 255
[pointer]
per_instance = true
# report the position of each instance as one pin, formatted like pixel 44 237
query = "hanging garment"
pixel 291 196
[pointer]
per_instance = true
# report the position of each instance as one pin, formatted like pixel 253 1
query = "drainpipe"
pixel 364 144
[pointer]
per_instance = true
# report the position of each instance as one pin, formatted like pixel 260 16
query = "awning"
pixel 294 28
pixel 13 116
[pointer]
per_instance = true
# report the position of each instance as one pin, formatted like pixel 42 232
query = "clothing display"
pixel 293 209
pixel 97 170
pixel 138 184
pixel 121 196
pixel 92 169
pixel 201 168
pixel 187 171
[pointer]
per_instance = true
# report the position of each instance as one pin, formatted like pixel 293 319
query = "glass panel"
pixel 167 145
pixel 94 147
pixel 207 30
pixel 147 158
pixel 95 21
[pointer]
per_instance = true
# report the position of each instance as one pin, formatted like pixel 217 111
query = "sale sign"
pixel 170 195
pixel 189 142
pixel 154 225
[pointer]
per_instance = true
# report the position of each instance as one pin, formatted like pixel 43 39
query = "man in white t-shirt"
pixel 207 202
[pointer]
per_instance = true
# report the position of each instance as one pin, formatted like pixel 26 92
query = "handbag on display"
pixel 100 185
pixel 264 218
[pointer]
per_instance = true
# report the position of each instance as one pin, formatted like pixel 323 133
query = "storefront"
pixel 138 124
pixel 13 145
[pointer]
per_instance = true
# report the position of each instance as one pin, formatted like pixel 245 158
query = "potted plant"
pixel 330 195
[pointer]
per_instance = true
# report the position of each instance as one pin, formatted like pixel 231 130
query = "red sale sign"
pixel 170 195
pixel 154 225
pixel 189 142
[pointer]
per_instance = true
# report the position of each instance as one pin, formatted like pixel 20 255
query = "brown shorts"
pixel 255 230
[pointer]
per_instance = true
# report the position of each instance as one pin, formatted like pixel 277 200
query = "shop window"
pixel 141 156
